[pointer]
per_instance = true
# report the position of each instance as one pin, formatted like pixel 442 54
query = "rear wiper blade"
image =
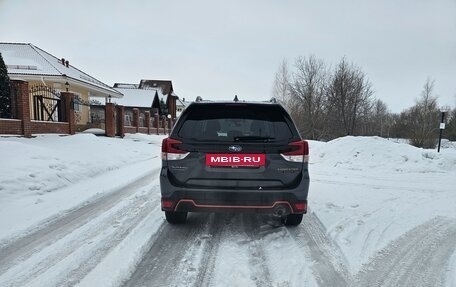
pixel 253 139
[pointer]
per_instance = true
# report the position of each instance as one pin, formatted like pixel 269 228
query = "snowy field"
pixel 72 208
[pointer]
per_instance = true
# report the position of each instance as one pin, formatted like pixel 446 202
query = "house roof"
pixel 28 61
pixel 126 86
pixel 182 102
pixel 165 85
pixel 140 98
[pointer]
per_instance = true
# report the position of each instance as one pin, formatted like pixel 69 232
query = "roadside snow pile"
pixel 43 176
pixel 368 192
pixel 367 153
pixel 49 162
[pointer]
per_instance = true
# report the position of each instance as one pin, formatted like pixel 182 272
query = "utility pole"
pixel 442 126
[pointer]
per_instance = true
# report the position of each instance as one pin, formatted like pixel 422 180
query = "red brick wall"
pixel 143 130
pixel 22 125
pixel 10 127
pixel 39 127
pixel 120 118
pixel 25 126
pixel 147 121
pixel 110 123
pixel 130 129
pixel 136 119
pixel 68 106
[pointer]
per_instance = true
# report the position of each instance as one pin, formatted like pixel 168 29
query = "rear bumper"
pixel 279 208
pixel 284 201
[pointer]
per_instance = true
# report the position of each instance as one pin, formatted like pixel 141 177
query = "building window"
pixel 127 120
pixel 77 103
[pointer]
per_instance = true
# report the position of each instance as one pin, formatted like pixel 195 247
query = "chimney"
pixel 67 63
pixel 63 61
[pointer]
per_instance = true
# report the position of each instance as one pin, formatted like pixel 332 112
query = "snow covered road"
pixel 418 258
pixel 66 248
pixel 370 224
pixel 197 255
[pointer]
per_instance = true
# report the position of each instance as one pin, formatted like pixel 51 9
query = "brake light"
pixel 170 151
pixel 299 152
pixel 167 204
pixel 301 207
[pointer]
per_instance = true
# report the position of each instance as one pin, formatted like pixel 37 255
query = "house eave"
pixel 98 91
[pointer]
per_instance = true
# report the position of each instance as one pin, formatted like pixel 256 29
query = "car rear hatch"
pixel 235 146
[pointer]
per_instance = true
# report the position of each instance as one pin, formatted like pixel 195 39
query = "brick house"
pixel 48 76
pixel 165 92
pixel 181 105
pixel 153 96
pixel 135 98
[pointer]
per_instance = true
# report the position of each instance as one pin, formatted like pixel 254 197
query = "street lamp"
pixel 443 110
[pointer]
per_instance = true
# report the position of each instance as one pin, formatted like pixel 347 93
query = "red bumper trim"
pixel 233 206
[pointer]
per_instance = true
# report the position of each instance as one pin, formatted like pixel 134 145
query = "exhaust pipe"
pixel 280 211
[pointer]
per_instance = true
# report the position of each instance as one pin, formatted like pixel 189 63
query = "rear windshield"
pixel 236 122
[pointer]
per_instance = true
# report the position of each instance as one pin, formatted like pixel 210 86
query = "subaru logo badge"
pixel 234 148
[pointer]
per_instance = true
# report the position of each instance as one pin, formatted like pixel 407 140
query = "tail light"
pixel 301 207
pixel 170 151
pixel 299 152
pixel 167 204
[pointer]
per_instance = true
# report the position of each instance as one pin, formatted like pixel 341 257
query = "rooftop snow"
pixel 138 97
pixel 27 59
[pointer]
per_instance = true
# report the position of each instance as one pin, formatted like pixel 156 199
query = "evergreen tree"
pixel 5 101
pixel 163 108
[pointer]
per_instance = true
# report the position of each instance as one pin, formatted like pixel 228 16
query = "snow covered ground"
pixel 369 191
pixel 73 207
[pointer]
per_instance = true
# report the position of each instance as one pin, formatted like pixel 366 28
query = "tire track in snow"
pixel 257 257
pixel 102 250
pixel 55 229
pixel 185 255
pixel 165 263
pixel 207 264
pixel 82 249
pixel 418 258
pixel 328 266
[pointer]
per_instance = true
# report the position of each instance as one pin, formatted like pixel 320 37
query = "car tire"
pixel 293 219
pixel 176 217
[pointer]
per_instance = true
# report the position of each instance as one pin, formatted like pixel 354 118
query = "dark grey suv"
pixel 234 156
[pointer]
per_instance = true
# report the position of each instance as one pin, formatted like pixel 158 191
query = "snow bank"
pixel 368 191
pixel 43 176
pixel 375 153
pixel 49 162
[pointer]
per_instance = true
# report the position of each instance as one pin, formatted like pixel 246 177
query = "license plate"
pixel 235 159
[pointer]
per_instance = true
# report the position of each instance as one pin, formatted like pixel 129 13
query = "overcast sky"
pixel 216 49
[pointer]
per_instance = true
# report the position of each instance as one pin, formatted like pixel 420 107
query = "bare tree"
pixel 349 97
pixel 326 105
pixel 308 89
pixel 281 86
pixel 450 131
pixel 423 118
pixel 380 119
pixel 282 92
